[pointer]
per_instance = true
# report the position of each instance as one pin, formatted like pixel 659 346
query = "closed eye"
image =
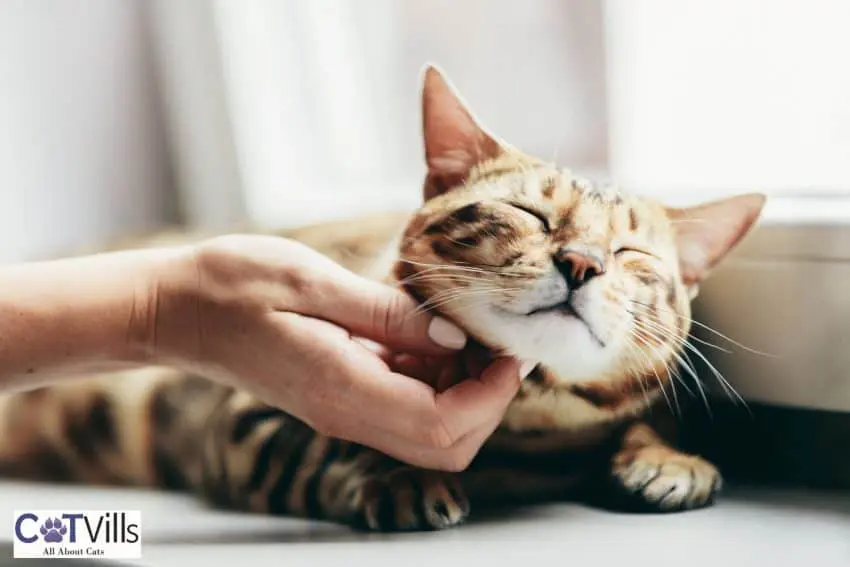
pixel 629 249
pixel 547 227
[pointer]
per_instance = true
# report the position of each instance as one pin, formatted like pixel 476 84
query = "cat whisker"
pixel 708 344
pixel 728 389
pixel 677 377
pixel 447 278
pixel 445 297
pixel 632 349
pixel 459 243
pixel 458 267
pixel 657 377
pixel 662 334
pixel 455 266
pixel 708 328
pixel 687 365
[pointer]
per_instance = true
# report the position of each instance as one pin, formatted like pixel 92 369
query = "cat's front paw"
pixel 411 499
pixel 662 479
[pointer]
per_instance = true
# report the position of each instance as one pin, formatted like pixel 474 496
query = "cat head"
pixel 533 261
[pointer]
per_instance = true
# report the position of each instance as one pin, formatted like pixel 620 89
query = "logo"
pixel 77 533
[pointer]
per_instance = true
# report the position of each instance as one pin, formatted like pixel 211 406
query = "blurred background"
pixel 121 116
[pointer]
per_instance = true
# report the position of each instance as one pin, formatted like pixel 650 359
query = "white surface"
pixel 745 528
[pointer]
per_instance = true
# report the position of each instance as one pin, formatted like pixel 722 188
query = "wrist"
pixel 112 301
pixel 164 310
pixel 64 316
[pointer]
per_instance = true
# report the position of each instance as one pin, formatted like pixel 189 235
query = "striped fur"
pixel 495 241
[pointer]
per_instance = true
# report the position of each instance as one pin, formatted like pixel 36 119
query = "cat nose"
pixel 578 268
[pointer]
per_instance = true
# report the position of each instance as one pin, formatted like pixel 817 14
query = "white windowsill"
pixel 323 204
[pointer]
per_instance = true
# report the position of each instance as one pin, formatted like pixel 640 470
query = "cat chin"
pixel 562 344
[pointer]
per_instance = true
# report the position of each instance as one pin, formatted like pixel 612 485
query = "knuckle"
pixel 234 260
pixel 301 283
pixel 437 435
pixel 221 264
pixel 212 256
pixel 388 315
pixel 457 461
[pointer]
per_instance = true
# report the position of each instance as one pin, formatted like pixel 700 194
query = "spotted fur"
pixel 532 260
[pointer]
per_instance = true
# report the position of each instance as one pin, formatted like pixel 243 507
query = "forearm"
pixel 63 317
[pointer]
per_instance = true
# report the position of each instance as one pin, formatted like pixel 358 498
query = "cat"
pixel 593 284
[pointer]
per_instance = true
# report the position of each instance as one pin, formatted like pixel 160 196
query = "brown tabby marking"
pixel 592 284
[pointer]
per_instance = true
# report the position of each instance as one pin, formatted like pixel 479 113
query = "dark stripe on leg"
pixel 247 421
pixel 79 438
pixel 169 474
pixel 418 499
pixel 101 424
pixel 264 458
pixel 295 448
pixel 313 487
pixel 386 507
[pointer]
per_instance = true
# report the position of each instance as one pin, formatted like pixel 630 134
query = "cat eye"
pixel 627 249
pixel 547 226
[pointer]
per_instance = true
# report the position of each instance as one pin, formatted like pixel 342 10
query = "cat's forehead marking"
pixel 549 185
pixel 604 193
pixel 634 221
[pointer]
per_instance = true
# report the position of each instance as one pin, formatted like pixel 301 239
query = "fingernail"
pixel 446 334
pixel 525 369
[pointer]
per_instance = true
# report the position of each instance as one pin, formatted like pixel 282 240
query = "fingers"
pixel 453 459
pixel 474 401
pixel 414 411
pixel 373 310
pixel 392 318
pixel 347 376
pixel 351 393
pixel 289 276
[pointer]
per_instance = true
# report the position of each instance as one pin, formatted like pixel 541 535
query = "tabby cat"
pixel 532 261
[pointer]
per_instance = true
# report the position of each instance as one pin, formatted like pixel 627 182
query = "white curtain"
pixel 304 110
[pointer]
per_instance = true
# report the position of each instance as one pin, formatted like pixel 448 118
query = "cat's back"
pixel 356 242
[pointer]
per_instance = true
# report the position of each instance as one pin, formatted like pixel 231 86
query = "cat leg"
pixel 405 498
pixel 657 477
pixel 259 459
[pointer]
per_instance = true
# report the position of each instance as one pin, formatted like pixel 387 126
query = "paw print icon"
pixel 53 530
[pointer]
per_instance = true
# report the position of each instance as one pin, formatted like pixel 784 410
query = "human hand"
pixel 302 333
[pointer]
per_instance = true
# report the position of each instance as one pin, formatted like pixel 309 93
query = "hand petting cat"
pixel 321 343
pixel 350 357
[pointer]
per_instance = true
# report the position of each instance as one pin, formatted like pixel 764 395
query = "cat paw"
pixel 411 499
pixel 664 480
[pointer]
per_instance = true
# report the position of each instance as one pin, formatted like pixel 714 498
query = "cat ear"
pixel 454 141
pixel 706 233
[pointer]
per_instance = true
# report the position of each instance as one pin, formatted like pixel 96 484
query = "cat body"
pixel 533 261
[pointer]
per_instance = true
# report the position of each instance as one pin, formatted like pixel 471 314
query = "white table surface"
pixel 747 527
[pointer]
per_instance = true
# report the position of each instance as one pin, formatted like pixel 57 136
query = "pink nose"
pixel 578 268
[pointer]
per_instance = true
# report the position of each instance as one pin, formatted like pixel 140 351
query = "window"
pixel 681 100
